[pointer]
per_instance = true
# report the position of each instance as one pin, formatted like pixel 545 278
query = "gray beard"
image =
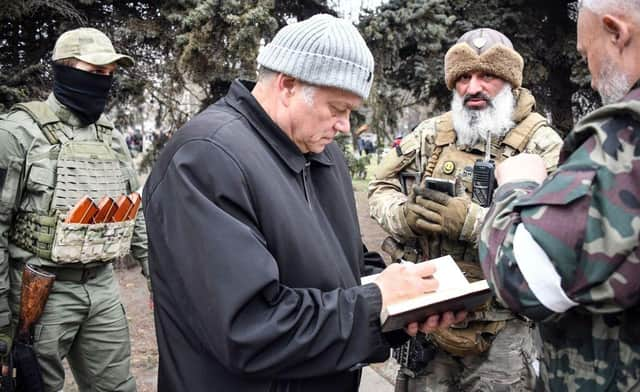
pixel 613 85
pixel 471 126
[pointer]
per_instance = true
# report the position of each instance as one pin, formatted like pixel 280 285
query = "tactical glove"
pixel 418 216
pixel 439 212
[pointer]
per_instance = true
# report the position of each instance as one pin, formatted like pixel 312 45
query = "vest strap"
pixel 519 136
pixel 46 119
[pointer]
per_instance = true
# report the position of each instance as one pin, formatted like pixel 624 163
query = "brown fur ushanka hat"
pixel 484 50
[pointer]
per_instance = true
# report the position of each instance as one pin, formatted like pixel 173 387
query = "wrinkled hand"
pixel 436 212
pixel 435 322
pixel 401 281
pixel 521 167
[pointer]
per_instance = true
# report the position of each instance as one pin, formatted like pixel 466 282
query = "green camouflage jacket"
pixel 20 135
pixel 567 254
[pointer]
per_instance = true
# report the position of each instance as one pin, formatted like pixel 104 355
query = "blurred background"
pixel 188 51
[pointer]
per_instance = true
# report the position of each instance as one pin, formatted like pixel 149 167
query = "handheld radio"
pixel 483 182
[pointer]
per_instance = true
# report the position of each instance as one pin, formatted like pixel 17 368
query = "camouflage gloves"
pixel 435 212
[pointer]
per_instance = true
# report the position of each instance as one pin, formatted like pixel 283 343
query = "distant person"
pixel 255 246
pixel 564 249
pixel 369 147
pixel 53 153
pixel 485 74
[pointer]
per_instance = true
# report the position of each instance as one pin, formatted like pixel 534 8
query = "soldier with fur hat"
pixel 493 349
pixel 52 153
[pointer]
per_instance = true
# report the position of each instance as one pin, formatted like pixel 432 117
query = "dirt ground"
pixel 133 290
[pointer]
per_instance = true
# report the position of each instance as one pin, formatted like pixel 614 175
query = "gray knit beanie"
pixel 322 50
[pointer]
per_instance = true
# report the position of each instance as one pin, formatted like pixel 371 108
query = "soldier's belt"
pixel 49 237
pixel 78 275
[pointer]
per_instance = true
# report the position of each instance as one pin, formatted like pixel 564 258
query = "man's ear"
pixel 286 88
pixel 618 29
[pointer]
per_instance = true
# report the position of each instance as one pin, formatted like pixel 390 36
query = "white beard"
pixel 471 126
pixel 613 85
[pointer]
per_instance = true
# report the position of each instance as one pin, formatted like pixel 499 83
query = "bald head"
pixel 620 7
pixel 609 40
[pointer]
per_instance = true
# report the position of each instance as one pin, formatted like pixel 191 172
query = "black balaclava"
pixel 83 92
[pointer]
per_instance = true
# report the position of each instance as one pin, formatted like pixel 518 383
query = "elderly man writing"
pixel 254 239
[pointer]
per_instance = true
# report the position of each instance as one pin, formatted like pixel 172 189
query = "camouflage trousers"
pixel 85 323
pixel 506 366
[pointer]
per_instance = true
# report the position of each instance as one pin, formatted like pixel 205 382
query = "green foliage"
pixel 198 46
pixel 357 164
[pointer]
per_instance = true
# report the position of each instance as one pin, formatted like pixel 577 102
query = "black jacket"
pixel 256 257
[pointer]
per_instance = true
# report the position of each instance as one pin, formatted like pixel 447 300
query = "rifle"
pixel 36 286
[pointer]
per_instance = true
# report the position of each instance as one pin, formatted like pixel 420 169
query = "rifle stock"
pixel 25 374
pixel 36 286
pixel 391 247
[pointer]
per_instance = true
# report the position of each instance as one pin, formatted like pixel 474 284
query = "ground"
pixel 133 290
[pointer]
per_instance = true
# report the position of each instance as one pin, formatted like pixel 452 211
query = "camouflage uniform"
pixel 508 360
pixel 48 159
pixel 566 253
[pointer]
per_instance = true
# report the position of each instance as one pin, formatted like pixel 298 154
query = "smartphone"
pixel 441 185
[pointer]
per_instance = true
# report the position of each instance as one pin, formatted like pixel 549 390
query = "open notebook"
pixel 454 293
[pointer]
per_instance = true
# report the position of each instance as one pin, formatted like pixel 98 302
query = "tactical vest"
pixel 447 161
pixel 58 177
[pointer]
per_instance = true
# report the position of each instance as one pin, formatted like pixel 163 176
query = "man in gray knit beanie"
pixel 323 51
pixel 255 247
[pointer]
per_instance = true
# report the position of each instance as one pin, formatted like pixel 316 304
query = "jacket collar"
pixel 240 98
pixel 525 104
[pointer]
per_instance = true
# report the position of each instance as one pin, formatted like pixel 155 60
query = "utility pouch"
pixel 85 243
pixel 474 336
pixel 475 339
